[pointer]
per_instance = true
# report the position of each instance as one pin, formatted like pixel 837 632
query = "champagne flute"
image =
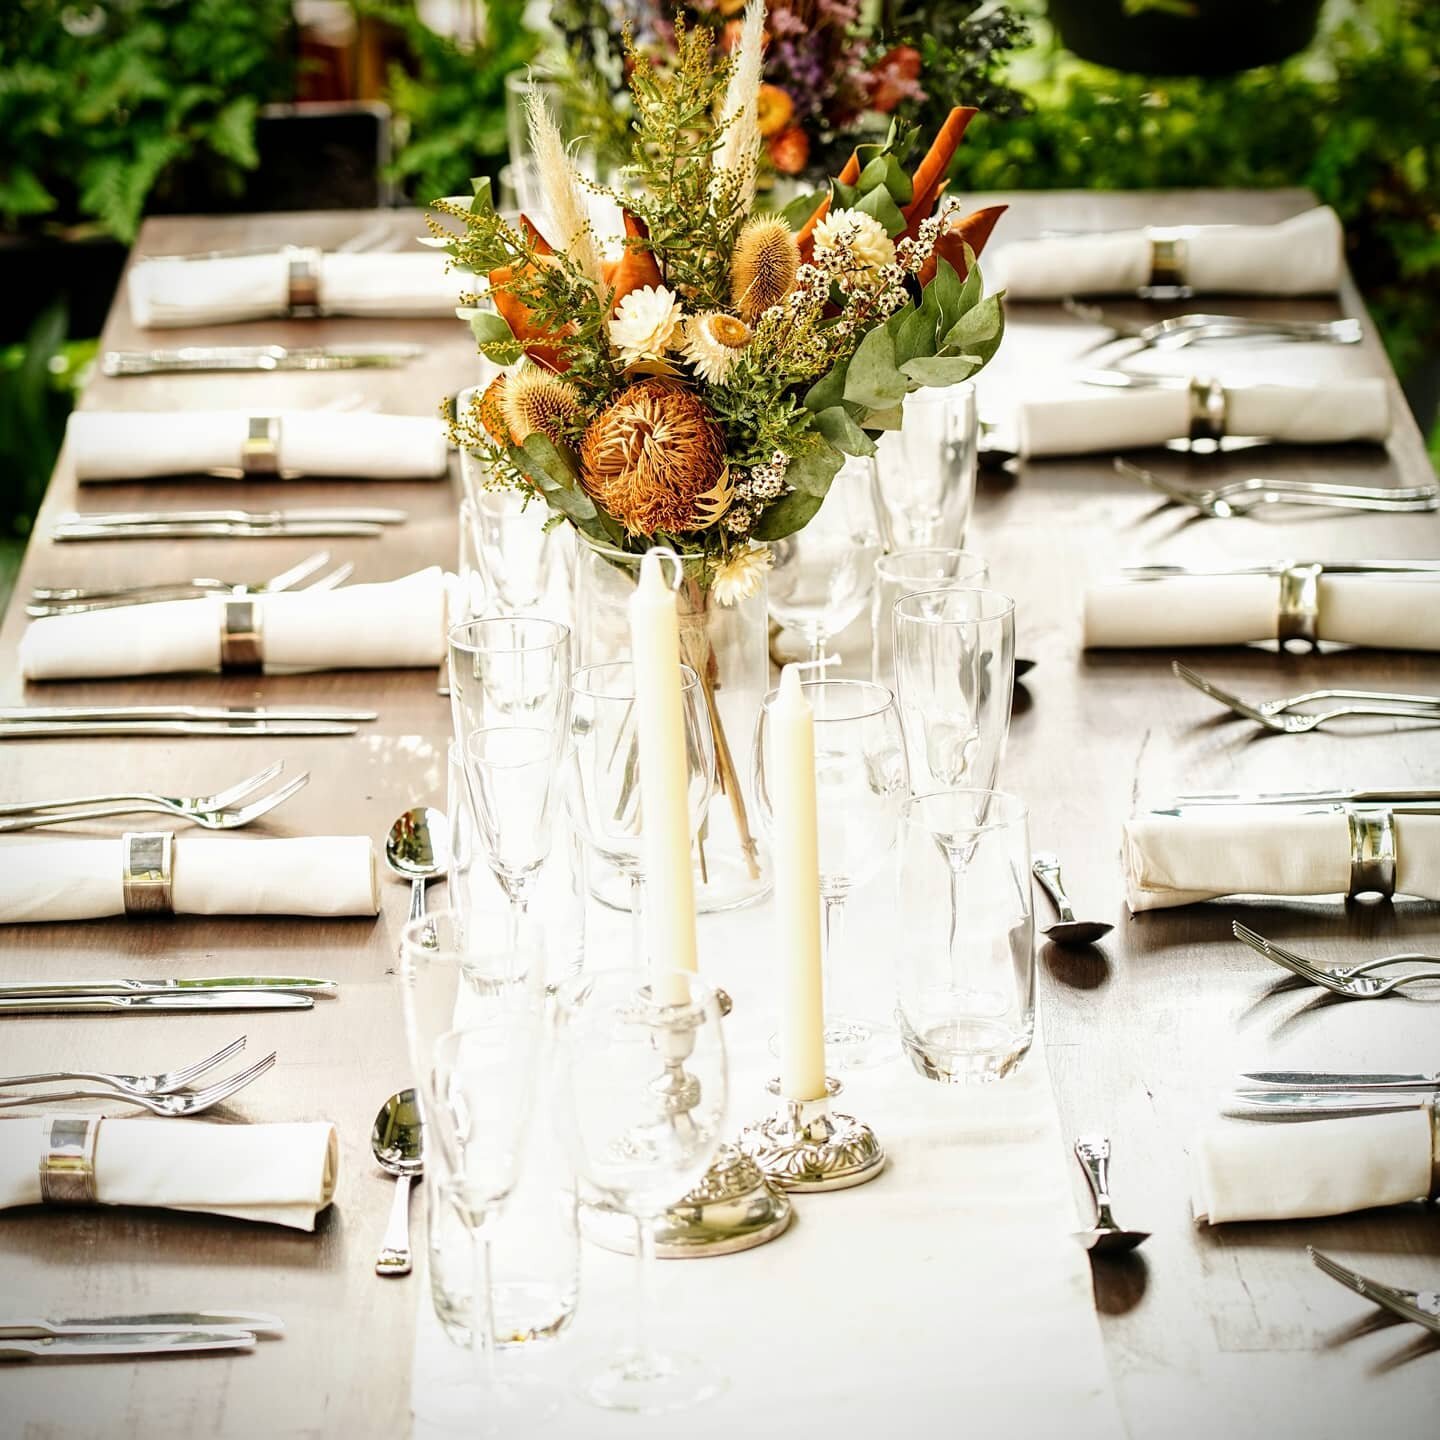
pixel 927 467
pixel 643 1101
pixel 604 768
pixel 508 670
pixel 823 575
pixel 861 781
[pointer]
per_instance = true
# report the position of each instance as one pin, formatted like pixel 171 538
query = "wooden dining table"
pixel 1207 1331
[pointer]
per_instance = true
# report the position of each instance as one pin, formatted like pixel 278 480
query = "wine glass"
pixel 861 782
pixel 955 678
pixel 643 1101
pixel 823 575
pixel 604 765
pixel 903 572
pixel 927 467
pixel 508 670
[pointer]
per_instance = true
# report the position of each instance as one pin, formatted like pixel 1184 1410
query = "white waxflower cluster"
pixel 754 490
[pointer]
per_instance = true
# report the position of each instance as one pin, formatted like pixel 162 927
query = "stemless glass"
pixel 643 1100
pixel 861 782
pixel 966 994
pixel 927 467
pixel 823 575
pixel 604 777
pixel 508 670
pixel 903 573
pixel 955 679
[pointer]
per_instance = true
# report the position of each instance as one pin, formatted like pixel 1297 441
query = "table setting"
pixel 668 874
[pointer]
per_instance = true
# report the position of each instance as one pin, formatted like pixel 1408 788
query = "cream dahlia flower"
pixel 861 239
pixel 713 343
pixel 739 577
pixel 648 322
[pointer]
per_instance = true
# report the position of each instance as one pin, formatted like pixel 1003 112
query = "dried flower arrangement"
pixel 698 381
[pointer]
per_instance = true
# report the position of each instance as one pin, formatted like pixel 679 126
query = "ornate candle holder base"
pixel 733 1208
pixel 805 1145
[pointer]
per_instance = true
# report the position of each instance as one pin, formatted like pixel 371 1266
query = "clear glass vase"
pixel 728 648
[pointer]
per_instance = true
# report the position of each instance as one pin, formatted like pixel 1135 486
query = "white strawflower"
pixel 859 238
pixel 649 322
pixel 739 577
pixel 713 343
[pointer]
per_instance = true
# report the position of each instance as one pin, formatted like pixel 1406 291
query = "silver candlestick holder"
pixel 805 1145
pixel 733 1208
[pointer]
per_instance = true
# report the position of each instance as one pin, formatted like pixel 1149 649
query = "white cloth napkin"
pixel 282 1174
pixel 1378 612
pixel 396 624
pixel 168 293
pixel 1319 1167
pixel 1262 850
pixel 81 878
pixel 136 444
pixel 1100 421
pixel 1300 256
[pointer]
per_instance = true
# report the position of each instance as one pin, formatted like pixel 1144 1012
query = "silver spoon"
pixel 398 1142
pixel 1067 930
pixel 1093 1153
pixel 418 850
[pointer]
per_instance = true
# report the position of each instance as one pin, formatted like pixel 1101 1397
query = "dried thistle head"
pixel 762 270
pixel 535 400
pixel 654 458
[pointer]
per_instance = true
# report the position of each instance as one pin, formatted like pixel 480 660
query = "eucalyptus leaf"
pixel 914 330
pixel 554 472
pixel 942 369
pixel 813 465
pixel 949 293
pixel 494 337
pixel 976 330
pixel 872 379
pixel 828 390
pixel 891 419
pixel 842 432
pixel 787 516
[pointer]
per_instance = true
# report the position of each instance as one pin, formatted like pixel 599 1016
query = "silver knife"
pixel 1328 567
pixel 1283 1103
pixel 201 358
pixel 1327 1080
pixel 222 530
pixel 71 730
pixel 207 985
pixel 90 1004
pixel 361 514
pixel 1307 797
pixel 158 1324
pixel 183 712
pixel 99 1345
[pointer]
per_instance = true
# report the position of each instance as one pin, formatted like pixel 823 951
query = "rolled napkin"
pixel 136 444
pixel 397 624
pixel 1318 1167
pixel 169 293
pixel 1262 850
pixel 280 1174
pixel 1300 256
pixel 1379 613
pixel 1103 421
pixel 73 878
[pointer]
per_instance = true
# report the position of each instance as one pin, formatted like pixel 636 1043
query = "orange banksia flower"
pixel 654 458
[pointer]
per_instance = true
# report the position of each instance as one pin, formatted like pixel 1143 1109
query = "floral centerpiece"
pixel 697 381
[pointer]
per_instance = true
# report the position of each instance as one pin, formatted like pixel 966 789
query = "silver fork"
pixel 1340 972
pixel 1240 497
pixel 1274 715
pixel 162 1083
pixel 1181 330
pixel 210 812
pixel 189 1102
pixel 1421 1306
pixel 1353 984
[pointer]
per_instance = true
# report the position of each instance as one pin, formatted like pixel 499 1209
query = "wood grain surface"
pixel 1208 1332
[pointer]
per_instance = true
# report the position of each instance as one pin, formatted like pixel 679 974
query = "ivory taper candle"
pixel 790 767
pixel 664 773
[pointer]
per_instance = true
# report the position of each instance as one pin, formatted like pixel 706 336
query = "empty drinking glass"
pixel 508 670
pixel 966 994
pixel 643 1096
pixel 903 572
pixel 861 782
pixel 604 779
pixel 823 575
pixel 955 679
pixel 927 467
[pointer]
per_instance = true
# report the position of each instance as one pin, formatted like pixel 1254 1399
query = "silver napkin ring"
pixel 149 872
pixel 303 280
pixel 1207 410
pixel 1298 621
pixel 260 454
pixel 242 636
pixel 67 1159
pixel 1372 853
pixel 1169 260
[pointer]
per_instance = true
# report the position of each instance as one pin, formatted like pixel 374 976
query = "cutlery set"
pixel 39 722
pixel 180 995
pixel 1180 331
pixel 1351 982
pixel 353 520
pixel 135 1335
pixel 203 359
